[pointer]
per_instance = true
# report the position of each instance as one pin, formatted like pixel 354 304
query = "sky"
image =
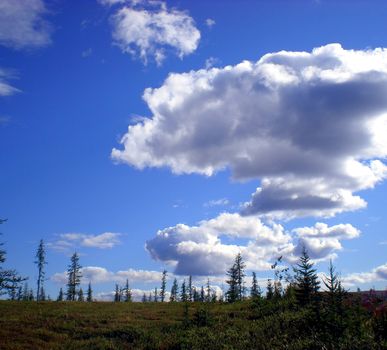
pixel 150 135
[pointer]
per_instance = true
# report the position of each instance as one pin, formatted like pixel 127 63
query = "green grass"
pixel 74 325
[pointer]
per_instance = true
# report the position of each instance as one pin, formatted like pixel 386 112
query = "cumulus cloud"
pixel 149 29
pixel 377 274
pixel 209 248
pixel 310 125
pixel 321 240
pixel 68 241
pixel 23 24
pixel 96 274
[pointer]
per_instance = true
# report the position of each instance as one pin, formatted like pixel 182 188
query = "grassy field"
pixel 66 325
pixel 74 325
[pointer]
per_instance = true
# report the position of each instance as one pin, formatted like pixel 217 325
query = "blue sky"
pixel 211 120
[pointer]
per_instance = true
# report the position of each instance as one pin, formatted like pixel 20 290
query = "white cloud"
pixel 209 248
pixel 22 24
pixel 217 202
pixel 68 241
pixel 377 274
pixel 149 29
pixel 311 126
pixel 210 22
pixel 5 88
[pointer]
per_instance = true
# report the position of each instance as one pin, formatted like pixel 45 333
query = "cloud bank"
pixel 208 248
pixel 23 24
pixel 310 125
pixel 148 29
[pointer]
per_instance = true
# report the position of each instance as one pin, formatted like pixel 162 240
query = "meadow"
pixel 249 324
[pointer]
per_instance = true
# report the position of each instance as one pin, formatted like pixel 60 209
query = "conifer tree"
pixel 144 299
pixel 156 296
pixel 60 295
pixel 150 297
pixel 306 280
pixel 19 296
pixel 269 290
pixel 208 294
pixel 25 292
pixel 190 291
pixel 128 292
pixel 196 295
pixel 31 295
pixel 40 262
pixel 42 294
pixel 117 294
pixel 236 275
pixel 255 291
pixel 163 286
pixel 89 297
pixel 80 295
pixel 9 279
pixel 174 291
pixel 202 295
pixel 74 276
pixel 183 292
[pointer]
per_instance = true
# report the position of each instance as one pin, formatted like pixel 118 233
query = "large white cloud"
pixel 22 24
pixel 209 248
pixel 148 28
pixel 311 126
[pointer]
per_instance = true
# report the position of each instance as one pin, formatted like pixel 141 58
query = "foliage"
pixel 235 280
pixel 74 276
pixel 40 262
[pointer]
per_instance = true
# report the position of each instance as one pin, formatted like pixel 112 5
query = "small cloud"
pixel 6 89
pixel 69 241
pixel 87 53
pixel 217 202
pixel 145 29
pixel 210 22
pixel 211 62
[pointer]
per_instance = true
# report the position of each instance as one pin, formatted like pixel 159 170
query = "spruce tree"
pixel 201 299
pixel 42 294
pixel 163 286
pixel 40 262
pixel 128 292
pixel 306 280
pixel 156 296
pixel 144 299
pixel 60 295
pixel 89 297
pixel 208 294
pixel 174 291
pixel 80 295
pixel 9 279
pixel 74 276
pixel 196 295
pixel 255 291
pixel 236 289
pixel 269 290
pixel 117 294
pixel 190 291
pixel 183 292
